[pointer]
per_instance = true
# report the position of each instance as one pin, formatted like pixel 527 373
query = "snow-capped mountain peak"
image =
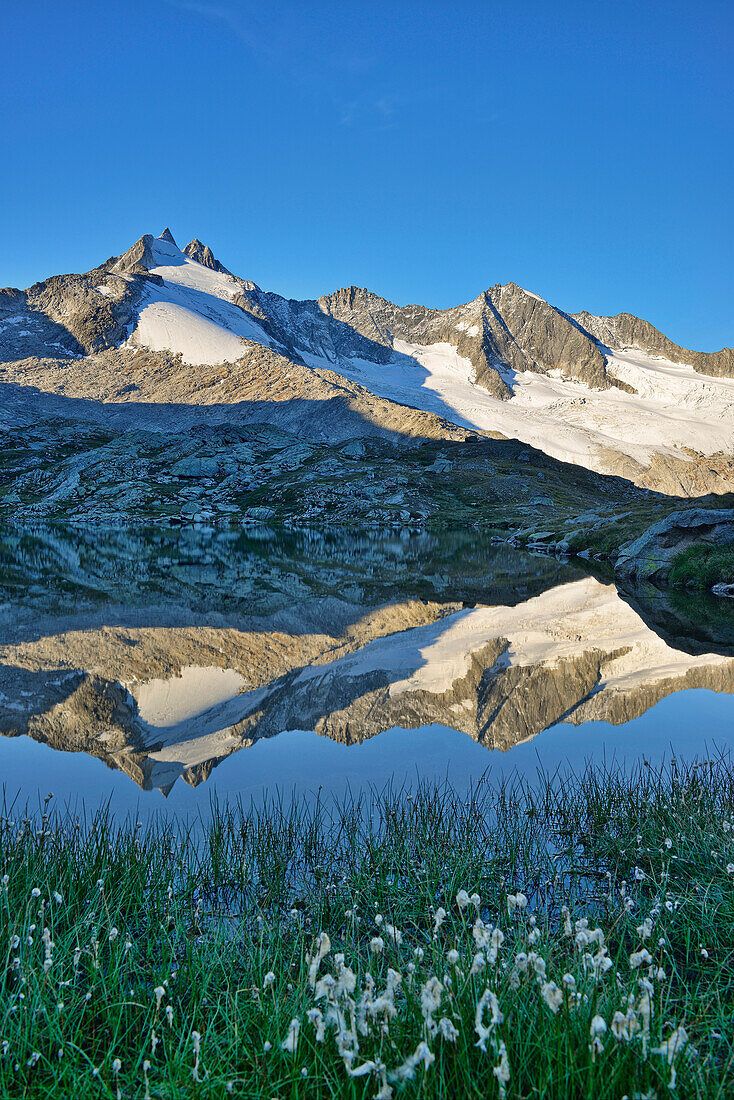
pixel 609 393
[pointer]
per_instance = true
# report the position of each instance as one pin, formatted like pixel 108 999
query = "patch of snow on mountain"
pixel 193 312
pixel 674 408
pixel 178 269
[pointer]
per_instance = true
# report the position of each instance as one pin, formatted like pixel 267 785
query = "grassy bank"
pixel 702 567
pixel 574 940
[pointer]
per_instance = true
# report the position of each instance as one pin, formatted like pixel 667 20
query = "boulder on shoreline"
pixel 650 557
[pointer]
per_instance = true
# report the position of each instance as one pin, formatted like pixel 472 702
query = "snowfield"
pixel 674 407
pixel 193 312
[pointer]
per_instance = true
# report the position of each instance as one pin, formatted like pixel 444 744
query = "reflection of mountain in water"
pixel 165 701
pixel 57 571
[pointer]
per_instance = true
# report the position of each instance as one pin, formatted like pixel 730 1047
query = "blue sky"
pixel 426 151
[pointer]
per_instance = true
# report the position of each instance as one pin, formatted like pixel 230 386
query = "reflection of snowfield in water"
pixel 188 695
pixel 563 622
pixel 190 716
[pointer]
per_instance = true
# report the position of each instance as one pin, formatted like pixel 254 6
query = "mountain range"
pixel 164 339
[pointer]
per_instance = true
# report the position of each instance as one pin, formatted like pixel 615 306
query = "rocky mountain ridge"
pixel 131 333
pixel 503 328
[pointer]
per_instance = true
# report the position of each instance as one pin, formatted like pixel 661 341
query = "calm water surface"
pixel 161 669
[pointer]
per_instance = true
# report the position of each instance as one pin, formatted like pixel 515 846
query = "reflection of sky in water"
pixel 349 635
pixel 690 723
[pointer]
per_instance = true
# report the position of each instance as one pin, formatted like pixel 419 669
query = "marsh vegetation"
pixel 569 937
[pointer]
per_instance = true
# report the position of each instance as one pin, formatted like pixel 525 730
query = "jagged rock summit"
pixel 609 393
pixel 203 255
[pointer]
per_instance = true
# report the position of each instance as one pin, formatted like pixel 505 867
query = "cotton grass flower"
pixel 479 962
pixel 597 1028
pixel 116 1067
pixel 502 1071
pixel 637 958
pixel 393 934
pixel 464 899
pixel 645 929
pixel 323 947
pixel 670 1048
pixel 438 918
pixel 316 1017
pixel 146 1071
pixel 431 994
pixel 290 1043
pixel 552 995
pixel 447 1030
pixel 484 1030
pixel 196 1046
pixel 496 939
pixel 516 901
pixel 406 1072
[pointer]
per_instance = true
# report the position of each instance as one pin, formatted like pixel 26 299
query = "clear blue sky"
pixel 424 150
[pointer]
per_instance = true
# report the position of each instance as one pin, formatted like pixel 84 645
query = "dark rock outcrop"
pixel 649 558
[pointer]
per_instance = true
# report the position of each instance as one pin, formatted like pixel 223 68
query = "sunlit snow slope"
pixel 674 406
pixel 675 410
pixel 193 312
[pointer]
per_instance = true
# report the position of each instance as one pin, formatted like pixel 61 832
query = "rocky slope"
pixel 223 474
pixel 625 330
pixel 161 337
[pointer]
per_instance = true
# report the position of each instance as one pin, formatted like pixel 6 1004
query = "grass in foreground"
pixel 575 939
